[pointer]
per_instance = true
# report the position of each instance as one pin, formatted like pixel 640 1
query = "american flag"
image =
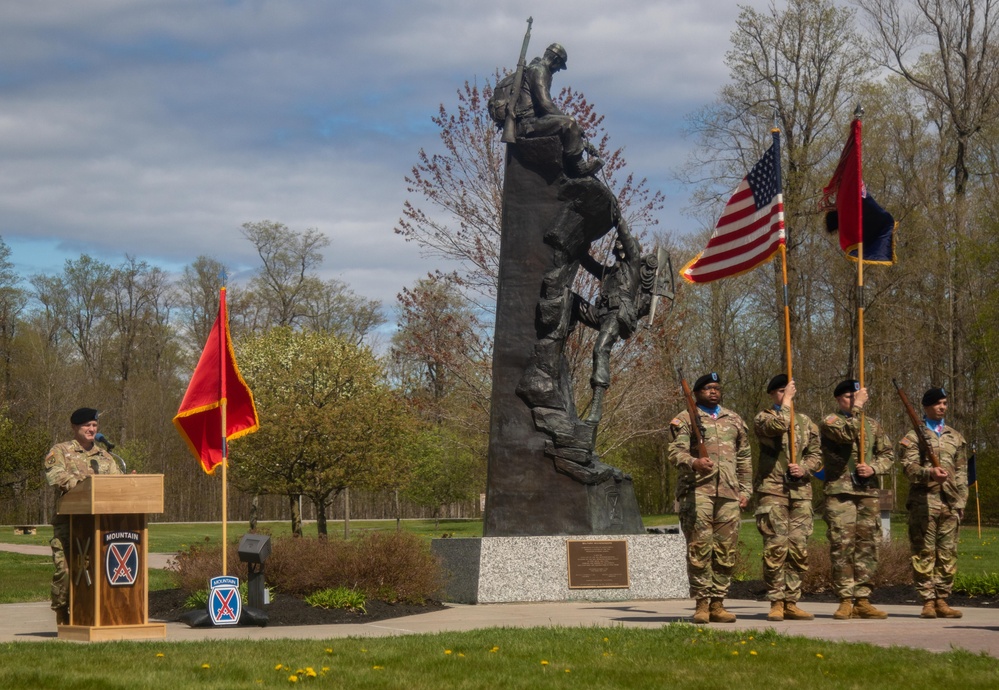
pixel 751 227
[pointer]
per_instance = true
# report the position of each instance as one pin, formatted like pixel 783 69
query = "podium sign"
pixel 108 555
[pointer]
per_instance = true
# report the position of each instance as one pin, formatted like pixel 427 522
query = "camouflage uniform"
pixel 709 503
pixel 933 508
pixel 66 465
pixel 784 509
pixel 852 514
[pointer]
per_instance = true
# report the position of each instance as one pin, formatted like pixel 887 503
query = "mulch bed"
pixel 168 605
pixel 896 594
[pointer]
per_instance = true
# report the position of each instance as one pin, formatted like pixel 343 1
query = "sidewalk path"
pixel 978 631
pixel 156 560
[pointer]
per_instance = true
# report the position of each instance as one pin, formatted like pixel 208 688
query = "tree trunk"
pixel 320 505
pixel 296 515
pixel 254 511
pixel 398 512
pixel 346 513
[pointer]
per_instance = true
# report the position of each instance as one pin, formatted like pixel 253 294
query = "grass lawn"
pixel 675 656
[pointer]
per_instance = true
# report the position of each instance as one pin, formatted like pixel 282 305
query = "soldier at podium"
pixel 66 465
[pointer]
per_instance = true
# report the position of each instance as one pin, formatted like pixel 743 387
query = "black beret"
pixel 83 415
pixel 705 380
pixel 847 386
pixel 778 381
pixel 933 396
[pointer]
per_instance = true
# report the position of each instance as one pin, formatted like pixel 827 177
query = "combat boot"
pixel 701 616
pixel 945 611
pixel 793 613
pixel 845 610
pixel 863 609
pixel 577 167
pixel 718 614
pixel 776 612
pixel 62 615
pixel 929 609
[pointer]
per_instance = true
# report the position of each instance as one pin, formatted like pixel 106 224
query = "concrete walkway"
pixel 978 631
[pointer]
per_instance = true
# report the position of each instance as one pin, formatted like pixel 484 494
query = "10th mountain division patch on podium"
pixel 223 602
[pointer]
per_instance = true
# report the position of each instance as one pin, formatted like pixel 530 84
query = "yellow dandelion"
pixel 460 654
pixel 363 650
pixel 494 649
pixel 299 671
pixel 819 656
pixel 544 662
pixel 606 639
pixel 567 670
pixel 329 650
pixel 751 637
pixel 326 669
pixel 309 672
pixel 279 667
pixel 159 655
pixel 205 666
pixel 742 642
pixel 447 651
pixel 292 679
pixel 752 652
pixel 377 668
pixel 735 653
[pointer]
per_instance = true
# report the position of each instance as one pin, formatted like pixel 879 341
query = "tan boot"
pixel 793 613
pixel 945 611
pixel 701 616
pixel 845 610
pixel 929 609
pixel 776 612
pixel 718 614
pixel 863 609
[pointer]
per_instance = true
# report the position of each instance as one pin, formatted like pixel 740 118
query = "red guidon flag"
pixel 751 227
pixel 216 383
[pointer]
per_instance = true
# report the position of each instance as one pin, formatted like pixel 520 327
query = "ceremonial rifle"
pixel 917 426
pixel 702 450
pixel 510 124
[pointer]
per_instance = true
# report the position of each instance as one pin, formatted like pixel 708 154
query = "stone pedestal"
pixel 523 569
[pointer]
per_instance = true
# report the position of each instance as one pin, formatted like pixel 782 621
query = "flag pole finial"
pixel 858 112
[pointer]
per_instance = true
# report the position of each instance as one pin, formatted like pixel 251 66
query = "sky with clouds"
pixel 157 127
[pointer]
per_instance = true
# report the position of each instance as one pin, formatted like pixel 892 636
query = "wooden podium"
pixel 107 557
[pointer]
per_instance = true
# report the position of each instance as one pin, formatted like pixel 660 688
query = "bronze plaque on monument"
pixel 598 564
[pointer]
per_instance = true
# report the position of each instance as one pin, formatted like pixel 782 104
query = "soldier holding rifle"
pixel 852 501
pixel 710 449
pixel 784 490
pixel 935 460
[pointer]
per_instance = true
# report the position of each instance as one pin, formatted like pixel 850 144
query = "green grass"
pixel 675 656
pixel 25 578
pixel 29 578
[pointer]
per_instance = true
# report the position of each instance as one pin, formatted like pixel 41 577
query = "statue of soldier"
pixel 538 116
pixel 625 296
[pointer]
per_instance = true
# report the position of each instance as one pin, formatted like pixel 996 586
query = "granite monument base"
pixel 521 569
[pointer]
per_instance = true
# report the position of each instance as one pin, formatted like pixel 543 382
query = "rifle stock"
pixel 510 123
pixel 924 447
pixel 702 450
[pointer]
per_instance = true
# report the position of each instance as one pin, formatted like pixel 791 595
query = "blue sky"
pixel 157 127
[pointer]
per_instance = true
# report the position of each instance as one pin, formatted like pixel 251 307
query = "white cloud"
pixel 158 128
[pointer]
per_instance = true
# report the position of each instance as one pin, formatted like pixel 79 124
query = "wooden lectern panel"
pixel 108 557
pixel 102 494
